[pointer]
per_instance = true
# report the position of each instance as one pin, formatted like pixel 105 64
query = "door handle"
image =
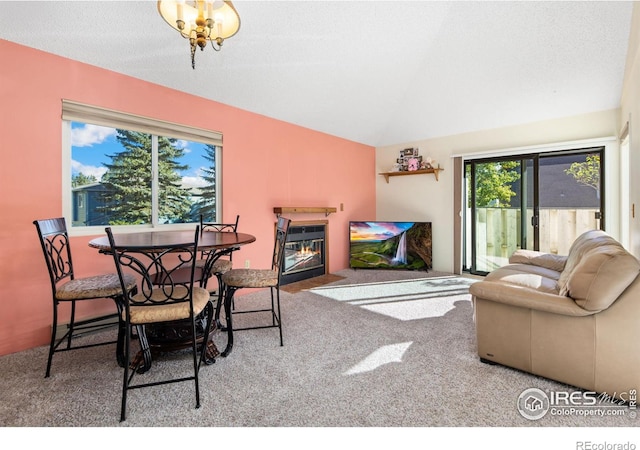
pixel 534 221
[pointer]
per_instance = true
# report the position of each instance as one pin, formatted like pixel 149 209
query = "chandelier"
pixel 201 21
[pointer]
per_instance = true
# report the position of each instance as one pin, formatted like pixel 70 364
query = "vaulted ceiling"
pixel 375 72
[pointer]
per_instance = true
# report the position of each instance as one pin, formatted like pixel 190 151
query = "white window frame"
pixel 78 112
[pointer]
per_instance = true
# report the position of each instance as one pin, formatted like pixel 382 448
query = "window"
pixel 131 171
pixel 534 201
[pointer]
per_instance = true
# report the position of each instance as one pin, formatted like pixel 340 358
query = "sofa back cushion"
pixel 597 271
pixel 583 243
pixel 547 260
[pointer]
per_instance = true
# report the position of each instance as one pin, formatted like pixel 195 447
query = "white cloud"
pixel 184 145
pixel 89 134
pixel 191 182
pixel 97 172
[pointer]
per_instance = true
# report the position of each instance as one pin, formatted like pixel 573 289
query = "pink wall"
pixel 267 163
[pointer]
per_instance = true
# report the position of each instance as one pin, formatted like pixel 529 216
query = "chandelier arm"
pixel 217 41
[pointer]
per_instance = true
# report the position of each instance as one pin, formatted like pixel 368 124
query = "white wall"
pixel 630 111
pixel 422 198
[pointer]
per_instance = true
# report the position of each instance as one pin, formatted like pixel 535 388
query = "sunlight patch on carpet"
pixel 404 299
pixel 384 355
pixel 419 308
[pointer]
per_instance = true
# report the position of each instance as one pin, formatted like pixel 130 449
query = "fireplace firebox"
pixel 304 252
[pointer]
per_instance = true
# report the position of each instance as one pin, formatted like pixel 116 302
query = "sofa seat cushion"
pixel 531 276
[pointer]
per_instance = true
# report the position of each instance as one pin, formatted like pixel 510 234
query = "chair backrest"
pixel 224 227
pixel 210 226
pixel 56 247
pixel 161 271
pixel 282 229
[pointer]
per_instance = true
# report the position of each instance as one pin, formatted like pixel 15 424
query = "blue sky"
pixel 91 143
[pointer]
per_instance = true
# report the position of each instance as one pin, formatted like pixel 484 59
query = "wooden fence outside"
pixel 498 231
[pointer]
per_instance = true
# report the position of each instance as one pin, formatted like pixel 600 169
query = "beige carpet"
pixel 346 362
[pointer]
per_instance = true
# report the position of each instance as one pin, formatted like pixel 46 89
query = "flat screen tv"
pixel 390 245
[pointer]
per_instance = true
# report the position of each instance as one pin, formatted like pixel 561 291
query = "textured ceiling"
pixel 378 73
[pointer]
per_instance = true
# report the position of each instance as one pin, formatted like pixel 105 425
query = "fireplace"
pixel 305 252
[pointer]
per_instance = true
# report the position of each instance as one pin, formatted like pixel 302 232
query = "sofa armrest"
pixel 546 260
pixel 525 297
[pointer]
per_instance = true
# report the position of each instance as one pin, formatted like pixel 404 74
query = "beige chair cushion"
pixel 168 311
pixel 251 278
pixel 220 266
pixel 98 286
pixel 601 276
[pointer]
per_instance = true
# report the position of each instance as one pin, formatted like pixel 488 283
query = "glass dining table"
pixel 169 336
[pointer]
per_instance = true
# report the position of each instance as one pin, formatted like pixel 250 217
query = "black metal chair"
pixel 222 263
pixel 236 279
pixel 162 297
pixel 66 287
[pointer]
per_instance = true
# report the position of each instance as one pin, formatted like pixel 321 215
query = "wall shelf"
pixel 279 210
pixel 435 171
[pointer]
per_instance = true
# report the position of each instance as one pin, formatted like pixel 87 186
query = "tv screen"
pixel 390 245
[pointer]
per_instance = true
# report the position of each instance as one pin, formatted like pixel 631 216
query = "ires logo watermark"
pixel 534 403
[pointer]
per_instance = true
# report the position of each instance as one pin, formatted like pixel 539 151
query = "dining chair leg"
pixel 208 311
pixel 228 299
pixel 221 291
pixel 196 359
pixel 279 316
pixel 122 325
pixel 273 309
pixel 52 344
pixel 72 323
pixel 125 377
pixel 145 350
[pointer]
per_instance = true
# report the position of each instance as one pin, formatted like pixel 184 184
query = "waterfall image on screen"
pixel 401 252
pixel 390 245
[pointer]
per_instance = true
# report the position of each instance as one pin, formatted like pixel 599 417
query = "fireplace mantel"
pixel 278 210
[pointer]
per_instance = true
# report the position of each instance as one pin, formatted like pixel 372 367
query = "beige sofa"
pixel 574 319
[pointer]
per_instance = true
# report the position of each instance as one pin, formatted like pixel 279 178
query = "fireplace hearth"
pixel 305 251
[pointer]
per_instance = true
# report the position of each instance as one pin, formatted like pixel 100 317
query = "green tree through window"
pixel 493 183
pixel 128 181
pixel 112 180
pixel 208 199
pixel 587 173
pixel 82 180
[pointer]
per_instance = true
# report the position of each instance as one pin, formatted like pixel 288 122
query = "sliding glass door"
pixel 571 198
pixel 497 195
pixel 536 202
